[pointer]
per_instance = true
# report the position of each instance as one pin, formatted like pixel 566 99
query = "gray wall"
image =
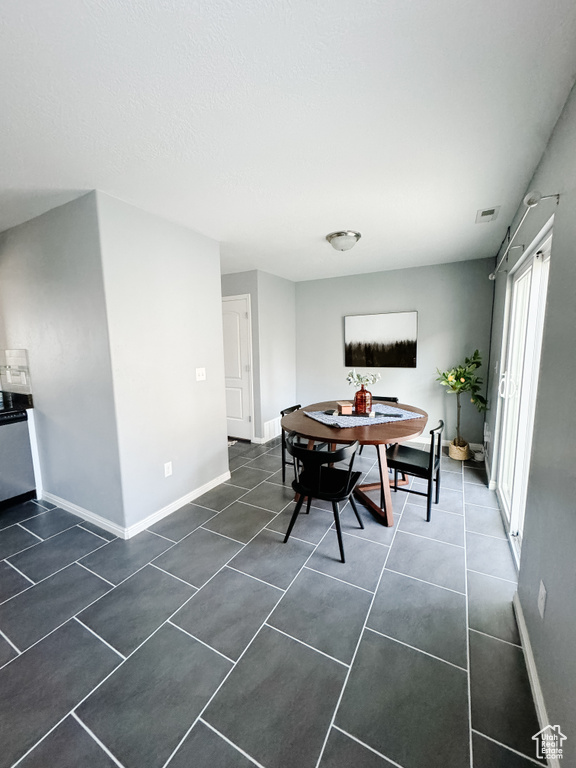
pixel 277 328
pixel 52 303
pixel 273 340
pixel 549 548
pixel 162 285
pixel 453 302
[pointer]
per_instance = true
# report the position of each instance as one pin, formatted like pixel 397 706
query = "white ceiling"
pixel 267 124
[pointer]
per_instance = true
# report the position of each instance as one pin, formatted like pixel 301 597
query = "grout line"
pixel 95 534
pixel 367 746
pixel 491 575
pixel 250 576
pixel 36 544
pixel 414 648
pixel 10 643
pixel 428 538
pixel 227 740
pixel 256 469
pixel 41 503
pixel 160 536
pixel 362 538
pixel 21 525
pixel 444 511
pixel 40 581
pixel 283 533
pixel 70 618
pixel 482 506
pixel 76 562
pixel 97 740
pixel 488 536
pixel 99 638
pixel 431 583
pixel 174 577
pixel 510 749
pixel 231 485
pixel 37 743
pixel 493 637
pixel 20 572
pixel 335 578
pixel 256 506
pixel 194 637
pixel 223 535
pixel 311 647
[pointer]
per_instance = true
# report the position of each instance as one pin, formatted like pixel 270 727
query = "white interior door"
pixel 238 365
pixel 519 382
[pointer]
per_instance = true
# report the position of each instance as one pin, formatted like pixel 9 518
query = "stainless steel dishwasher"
pixel 16 469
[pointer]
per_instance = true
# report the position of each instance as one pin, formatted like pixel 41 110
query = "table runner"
pixel 384 415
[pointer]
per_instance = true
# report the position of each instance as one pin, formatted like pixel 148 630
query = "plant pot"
pixel 459 452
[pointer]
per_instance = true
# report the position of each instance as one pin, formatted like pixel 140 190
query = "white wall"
pixel 453 302
pixel 162 285
pixel 549 547
pixel 52 303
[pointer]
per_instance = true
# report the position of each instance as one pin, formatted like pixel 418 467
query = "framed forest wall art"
pixel 381 341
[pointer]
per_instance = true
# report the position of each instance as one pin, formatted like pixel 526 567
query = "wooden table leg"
pixel 382 513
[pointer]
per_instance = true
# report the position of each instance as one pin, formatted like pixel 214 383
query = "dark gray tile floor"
pixel 206 641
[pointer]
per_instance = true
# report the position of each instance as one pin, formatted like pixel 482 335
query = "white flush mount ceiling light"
pixel 343 241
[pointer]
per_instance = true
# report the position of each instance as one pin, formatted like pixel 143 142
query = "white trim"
pixel 272 429
pixel 34 450
pixel 133 530
pixel 535 686
pixel 85 514
pixel 174 505
pixel 252 415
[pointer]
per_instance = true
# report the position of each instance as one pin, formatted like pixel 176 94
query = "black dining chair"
pixel 316 478
pixel 423 464
pixel 285 461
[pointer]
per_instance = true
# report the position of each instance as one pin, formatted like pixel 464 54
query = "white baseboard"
pixel 271 430
pixel 127 533
pixel 535 686
pixel 85 514
pixel 155 517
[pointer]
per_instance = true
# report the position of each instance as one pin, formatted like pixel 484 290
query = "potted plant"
pixel 462 379
pixel 362 398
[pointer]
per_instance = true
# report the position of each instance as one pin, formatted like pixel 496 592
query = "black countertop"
pixel 14 401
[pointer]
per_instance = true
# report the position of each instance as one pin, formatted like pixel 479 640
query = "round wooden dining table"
pixel 375 496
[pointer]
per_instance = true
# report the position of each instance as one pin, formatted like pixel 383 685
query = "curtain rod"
pixel 531 200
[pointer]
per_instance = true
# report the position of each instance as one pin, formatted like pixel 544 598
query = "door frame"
pixel 248 298
pixel 527 427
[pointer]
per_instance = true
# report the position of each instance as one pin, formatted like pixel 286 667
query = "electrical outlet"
pixel 200 374
pixel 542 599
pixel 168 469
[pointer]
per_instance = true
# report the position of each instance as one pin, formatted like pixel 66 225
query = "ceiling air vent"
pixel 487 214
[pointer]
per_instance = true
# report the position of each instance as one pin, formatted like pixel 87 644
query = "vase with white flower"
pixel 461 379
pixel 362 398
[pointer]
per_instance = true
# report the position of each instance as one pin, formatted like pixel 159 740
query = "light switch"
pixel 200 374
